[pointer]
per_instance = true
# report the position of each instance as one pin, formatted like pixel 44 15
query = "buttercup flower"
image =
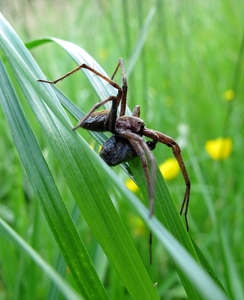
pixel 220 148
pixel 169 168
pixel 229 95
pixel 131 185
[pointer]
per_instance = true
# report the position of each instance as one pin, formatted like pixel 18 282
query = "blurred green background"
pixel 188 80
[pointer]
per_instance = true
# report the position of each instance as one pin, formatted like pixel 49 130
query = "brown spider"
pixel 128 135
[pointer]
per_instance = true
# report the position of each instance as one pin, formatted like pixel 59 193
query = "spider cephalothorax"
pixel 128 135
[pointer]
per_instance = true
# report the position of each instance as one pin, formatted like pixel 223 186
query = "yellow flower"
pixel 219 149
pixel 169 168
pixel 131 185
pixel 229 95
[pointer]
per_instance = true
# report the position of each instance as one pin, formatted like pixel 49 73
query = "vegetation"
pixel 60 234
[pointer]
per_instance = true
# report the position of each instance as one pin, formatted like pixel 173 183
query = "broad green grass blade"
pixel 53 206
pixel 82 169
pixel 9 234
pixel 206 266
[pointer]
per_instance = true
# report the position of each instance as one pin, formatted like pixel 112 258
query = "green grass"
pixel 180 59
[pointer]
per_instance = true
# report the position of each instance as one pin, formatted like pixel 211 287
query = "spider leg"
pixel 124 89
pixel 122 93
pixel 144 153
pixel 150 180
pixel 162 138
pixel 141 149
pixel 83 66
pixel 124 86
pixel 110 116
pixel 136 111
pixel 117 67
pixel 110 122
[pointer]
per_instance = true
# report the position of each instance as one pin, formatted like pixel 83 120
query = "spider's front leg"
pixel 104 120
pixel 124 86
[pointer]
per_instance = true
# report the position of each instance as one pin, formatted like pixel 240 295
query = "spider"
pixel 117 150
pixel 127 141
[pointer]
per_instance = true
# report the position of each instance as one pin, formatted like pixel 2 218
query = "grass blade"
pixel 45 188
pixel 9 234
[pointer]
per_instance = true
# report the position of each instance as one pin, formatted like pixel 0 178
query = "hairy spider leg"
pixel 109 124
pixel 116 69
pixel 141 148
pixel 112 115
pixel 124 86
pixel 162 138
pixel 124 89
pixel 136 111
pixel 143 152
pixel 83 66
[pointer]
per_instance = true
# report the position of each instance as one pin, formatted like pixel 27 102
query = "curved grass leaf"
pixel 45 188
pixel 9 234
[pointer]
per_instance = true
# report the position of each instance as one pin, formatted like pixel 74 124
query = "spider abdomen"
pixel 96 121
pixel 117 150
